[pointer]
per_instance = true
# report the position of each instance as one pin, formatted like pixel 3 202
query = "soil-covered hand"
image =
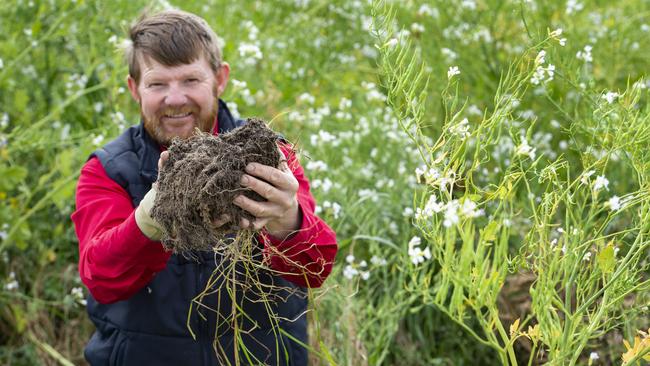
pixel 280 213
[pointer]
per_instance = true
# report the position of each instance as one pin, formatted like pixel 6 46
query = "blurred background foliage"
pixel 311 68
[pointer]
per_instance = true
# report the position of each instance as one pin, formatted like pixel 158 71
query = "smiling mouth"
pixel 178 115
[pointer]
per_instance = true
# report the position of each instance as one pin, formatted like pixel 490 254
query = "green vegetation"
pixel 486 173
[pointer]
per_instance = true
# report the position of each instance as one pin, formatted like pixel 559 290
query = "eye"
pixel 154 84
pixel 192 80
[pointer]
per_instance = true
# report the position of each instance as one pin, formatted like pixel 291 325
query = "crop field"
pixel 484 163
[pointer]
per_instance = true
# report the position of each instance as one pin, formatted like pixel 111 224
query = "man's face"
pixel 176 100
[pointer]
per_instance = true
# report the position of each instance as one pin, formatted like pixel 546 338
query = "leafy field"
pixel 485 165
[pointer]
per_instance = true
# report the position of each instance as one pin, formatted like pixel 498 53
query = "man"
pixel 139 293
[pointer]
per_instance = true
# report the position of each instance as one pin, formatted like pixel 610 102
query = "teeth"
pixel 178 115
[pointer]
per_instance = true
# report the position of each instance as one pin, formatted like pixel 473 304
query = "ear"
pixel 221 77
pixel 133 88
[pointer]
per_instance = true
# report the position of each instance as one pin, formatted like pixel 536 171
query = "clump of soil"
pixel 200 179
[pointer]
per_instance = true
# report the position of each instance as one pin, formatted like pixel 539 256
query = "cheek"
pixel 148 105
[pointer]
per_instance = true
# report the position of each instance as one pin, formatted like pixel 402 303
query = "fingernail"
pixel 244 179
pixel 250 168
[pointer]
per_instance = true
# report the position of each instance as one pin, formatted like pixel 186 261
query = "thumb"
pixel 163 158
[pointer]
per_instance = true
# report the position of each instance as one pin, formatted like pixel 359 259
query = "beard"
pixel 203 120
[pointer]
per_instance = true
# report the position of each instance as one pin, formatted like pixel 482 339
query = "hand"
pixel 280 214
pixel 149 227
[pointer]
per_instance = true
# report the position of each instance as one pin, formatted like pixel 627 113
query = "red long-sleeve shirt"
pixel 116 260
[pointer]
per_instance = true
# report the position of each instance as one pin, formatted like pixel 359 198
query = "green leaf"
pixel 605 258
pixel 489 233
pixel 20 320
pixel 64 162
pixel 11 176
pixel 64 193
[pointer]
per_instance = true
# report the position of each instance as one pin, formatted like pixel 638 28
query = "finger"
pixel 275 176
pixel 283 161
pixel 259 223
pixel 244 223
pixel 262 188
pixel 163 158
pixel 256 224
pixel 221 220
pixel 258 209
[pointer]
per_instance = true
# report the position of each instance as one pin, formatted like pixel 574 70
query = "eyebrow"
pixel 161 75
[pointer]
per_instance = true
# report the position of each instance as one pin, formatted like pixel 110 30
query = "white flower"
pixel 585 177
pixel 432 206
pixel 468 4
pixel 427 10
pixel 525 149
pixel 614 203
pixel 306 98
pixel 418 255
pixel 453 70
pixel 317 165
pixel 461 129
pixel 370 194
pixel 392 43
pixel 365 275
pixel 378 261
pixel 98 140
pixel 474 110
pixel 349 272
pixel 573 6
pixel 408 212
pixel 415 241
pixel 585 54
pixel 430 175
pixel 449 54
pixel 610 97
pixel 13 283
pixel 556 33
pixel 345 103
pixel 600 183
pixel 469 209
pixel 587 257
pixel 417 28
pixel 250 53
pixel 550 71
pixel 540 59
pixel 77 293
pixel 349 258
pixel 451 214
pixel 593 356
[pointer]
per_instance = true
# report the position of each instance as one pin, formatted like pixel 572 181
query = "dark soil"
pixel 200 179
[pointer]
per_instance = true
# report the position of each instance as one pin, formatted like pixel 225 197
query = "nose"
pixel 176 96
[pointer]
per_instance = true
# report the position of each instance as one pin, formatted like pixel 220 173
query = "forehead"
pixel 152 68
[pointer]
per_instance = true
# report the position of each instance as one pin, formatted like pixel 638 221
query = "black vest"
pixel 151 327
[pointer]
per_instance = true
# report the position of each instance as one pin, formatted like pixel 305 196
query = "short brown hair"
pixel 171 38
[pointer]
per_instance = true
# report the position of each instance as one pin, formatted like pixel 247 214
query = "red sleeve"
pixel 306 257
pixel 115 259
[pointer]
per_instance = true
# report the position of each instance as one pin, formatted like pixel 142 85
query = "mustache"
pixel 177 110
